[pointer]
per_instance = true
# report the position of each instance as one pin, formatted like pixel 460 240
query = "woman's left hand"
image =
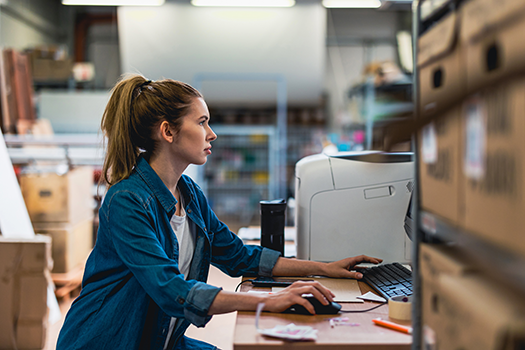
pixel 341 268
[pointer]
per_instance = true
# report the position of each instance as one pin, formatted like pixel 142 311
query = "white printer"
pixel 353 203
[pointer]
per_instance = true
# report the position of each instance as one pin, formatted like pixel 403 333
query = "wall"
pixel 179 41
pixel 28 23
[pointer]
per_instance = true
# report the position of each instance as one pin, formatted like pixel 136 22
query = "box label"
pixel 476 138
pixel 429 146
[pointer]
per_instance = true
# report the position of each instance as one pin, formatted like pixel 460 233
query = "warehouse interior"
pixel 439 80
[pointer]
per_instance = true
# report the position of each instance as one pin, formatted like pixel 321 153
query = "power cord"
pixel 245 281
pixel 366 310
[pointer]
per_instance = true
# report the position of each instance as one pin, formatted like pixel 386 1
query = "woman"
pixel 144 282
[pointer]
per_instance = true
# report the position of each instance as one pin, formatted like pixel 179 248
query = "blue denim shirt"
pixel 132 285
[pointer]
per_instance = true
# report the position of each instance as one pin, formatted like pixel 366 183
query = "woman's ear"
pixel 165 131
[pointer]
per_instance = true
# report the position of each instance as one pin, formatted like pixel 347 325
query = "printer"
pixel 353 203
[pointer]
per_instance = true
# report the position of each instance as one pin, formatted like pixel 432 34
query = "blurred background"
pixel 281 83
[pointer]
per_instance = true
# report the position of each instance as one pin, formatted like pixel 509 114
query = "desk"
pixel 365 336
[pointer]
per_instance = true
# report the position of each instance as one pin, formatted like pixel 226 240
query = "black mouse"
pixel 320 309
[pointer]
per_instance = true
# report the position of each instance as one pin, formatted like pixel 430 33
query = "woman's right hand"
pixel 291 295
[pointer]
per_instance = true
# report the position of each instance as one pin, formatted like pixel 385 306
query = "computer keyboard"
pixel 389 279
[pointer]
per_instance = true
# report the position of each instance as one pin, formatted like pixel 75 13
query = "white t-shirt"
pixel 185 232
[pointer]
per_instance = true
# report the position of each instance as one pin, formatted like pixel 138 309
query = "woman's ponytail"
pixel 121 153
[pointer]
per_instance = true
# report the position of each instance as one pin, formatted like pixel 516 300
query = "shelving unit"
pixel 505 266
pixel 373 109
pixel 497 263
pixel 240 173
pixel 73 149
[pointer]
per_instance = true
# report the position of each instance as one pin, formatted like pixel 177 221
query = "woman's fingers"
pixel 307 305
pixel 366 258
pixel 320 292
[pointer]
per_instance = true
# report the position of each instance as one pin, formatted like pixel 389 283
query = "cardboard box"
pixel 436 261
pixel 71 243
pixel 492 37
pixel 479 314
pixel 441 72
pixel 46 69
pixel 51 197
pixel 50 63
pixel 24 267
pixel 494 165
pixel 440 174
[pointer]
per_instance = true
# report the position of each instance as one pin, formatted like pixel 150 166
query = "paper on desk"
pixel 289 331
pixel 372 297
pixel 345 290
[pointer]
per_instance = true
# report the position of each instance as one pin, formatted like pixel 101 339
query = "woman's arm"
pixel 276 302
pixel 338 269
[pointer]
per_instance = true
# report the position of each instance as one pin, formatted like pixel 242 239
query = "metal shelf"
pixel 502 264
pixel 75 149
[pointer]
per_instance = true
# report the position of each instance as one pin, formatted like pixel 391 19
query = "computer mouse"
pixel 320 309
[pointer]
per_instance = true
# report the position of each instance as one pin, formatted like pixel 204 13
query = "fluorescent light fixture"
pixel 113 2
pixel 244 3
pixel 354 4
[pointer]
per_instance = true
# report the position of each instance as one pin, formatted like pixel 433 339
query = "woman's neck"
pixel 169 171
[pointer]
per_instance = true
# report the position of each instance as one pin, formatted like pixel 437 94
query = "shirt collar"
pixel 154 182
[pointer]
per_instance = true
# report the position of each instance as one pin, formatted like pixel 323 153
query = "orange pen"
pixel 392 325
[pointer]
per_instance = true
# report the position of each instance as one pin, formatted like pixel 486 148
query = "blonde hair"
pixel 135 107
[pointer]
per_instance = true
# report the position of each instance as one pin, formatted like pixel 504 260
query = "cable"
pixel 366 310
pixel 236 288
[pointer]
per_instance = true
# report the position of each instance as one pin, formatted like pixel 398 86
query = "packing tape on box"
pixel 400 307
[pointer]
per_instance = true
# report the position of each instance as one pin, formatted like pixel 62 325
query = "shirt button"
pixel 205 229
pixel 189 210
pixel 180 301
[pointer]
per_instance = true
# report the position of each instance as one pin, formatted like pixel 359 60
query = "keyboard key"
pixel 389 279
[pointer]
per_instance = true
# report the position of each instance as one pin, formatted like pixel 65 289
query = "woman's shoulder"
pixel 129 187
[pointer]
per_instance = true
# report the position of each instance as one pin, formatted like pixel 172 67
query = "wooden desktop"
pixel 362 334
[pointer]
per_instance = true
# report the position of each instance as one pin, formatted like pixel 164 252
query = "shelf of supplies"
pixel 76 149
pixel 502 264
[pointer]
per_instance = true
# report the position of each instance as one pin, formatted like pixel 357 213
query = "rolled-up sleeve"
pixel 198 302
pixel 268 260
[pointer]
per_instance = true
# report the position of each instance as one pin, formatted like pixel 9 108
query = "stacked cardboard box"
pixel 61 206
pixel 472 88
pixel 494 124
pixel 24 267
pixel 479 314
pixel 437 261
pixel 472 170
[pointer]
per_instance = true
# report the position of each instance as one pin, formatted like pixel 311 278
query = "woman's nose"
pixel 211 135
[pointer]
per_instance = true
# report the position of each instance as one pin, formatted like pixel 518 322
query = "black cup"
pixel 272 224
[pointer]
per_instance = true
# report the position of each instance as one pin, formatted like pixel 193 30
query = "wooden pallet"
pixel 68 284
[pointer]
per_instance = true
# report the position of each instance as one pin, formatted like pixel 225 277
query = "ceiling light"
pixel 356 4
pixel 113 2
pixel 244 3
